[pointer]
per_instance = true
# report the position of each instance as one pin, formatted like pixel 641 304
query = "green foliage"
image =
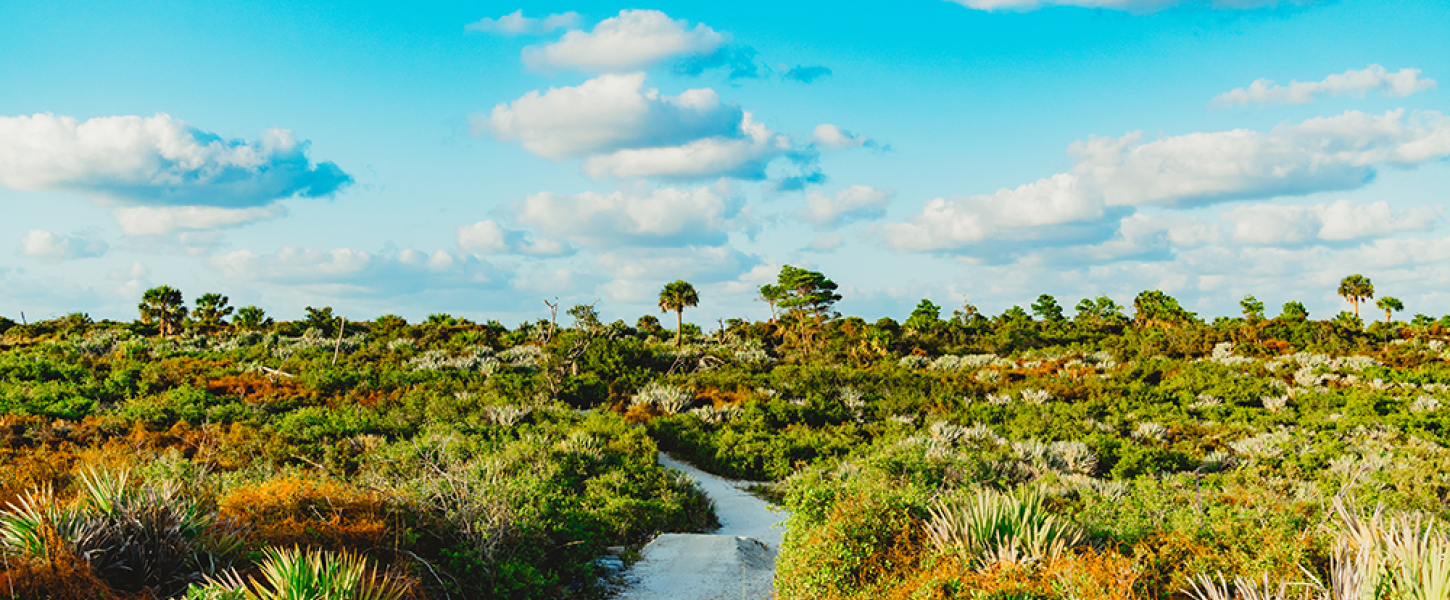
pixel 251 318
pixel 486 461
pixel 924 318
pixel 1253 308
pixel 1047 309
pixel 1155 307
pixel 163 306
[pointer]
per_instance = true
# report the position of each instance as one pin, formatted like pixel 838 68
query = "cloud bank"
pixel 158 160
pixel 1356 83
pixel 1186 171
pixel 668 217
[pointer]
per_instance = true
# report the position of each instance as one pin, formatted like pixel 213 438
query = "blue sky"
pixel 475 159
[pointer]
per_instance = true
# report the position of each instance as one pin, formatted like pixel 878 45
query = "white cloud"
pixel 634 39
pixel 608 113
pixel 488 237
pixel 54 247
pixel 831 137
pixel 1353 82
pixel 350 272
pixel 741 157
pixel 164 220
pixel 1320 154
pixel 1044 210
pixel 855 203
pixel 654 218
pixel 1196 169
pixel 1133 6
pixel 515 23
pixel 622 129
pixel 1275 225
pixel 158 160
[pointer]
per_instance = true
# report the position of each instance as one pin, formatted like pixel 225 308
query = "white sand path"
pixel 735 562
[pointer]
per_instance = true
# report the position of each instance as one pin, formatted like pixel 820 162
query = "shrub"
pixel 989 528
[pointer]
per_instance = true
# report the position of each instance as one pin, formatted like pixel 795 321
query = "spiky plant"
pixel 1419 558
pixel 991 528
pixel 141 537
pixel 35 523
pixel 1204 587
pixel 296 574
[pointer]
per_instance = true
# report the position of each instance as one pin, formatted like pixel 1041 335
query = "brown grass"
pixel 304 512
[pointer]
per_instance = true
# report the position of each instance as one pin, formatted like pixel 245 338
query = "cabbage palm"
pixel 1390 305
pixel 1355 289
pixel 164 306
pixel 211 311
pixel 678 296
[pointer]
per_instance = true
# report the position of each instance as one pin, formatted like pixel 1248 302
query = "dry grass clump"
pixel 292 511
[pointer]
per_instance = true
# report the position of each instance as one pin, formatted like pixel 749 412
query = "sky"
pixel 481 158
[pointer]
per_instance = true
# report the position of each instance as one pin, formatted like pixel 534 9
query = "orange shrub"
pixel 293 511
pixel 261 390
pixel 642 412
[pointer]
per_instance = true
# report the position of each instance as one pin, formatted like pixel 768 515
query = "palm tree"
pixel 164 306
pixel 678 296
pixel 1355 289
pixel 251 318
pixel 211 311
pixel 1390 305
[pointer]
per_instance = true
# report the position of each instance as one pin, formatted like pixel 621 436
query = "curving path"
pixel 735 562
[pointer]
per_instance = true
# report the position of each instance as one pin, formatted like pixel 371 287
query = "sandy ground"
pixel 737 561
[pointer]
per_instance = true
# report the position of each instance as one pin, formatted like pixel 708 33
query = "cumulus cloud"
pixel 1356 83
pixel 515 23
pixel 668 217
pixel 744 157
pixel 1320 154
pixel 625 130
pixel 350 272
pixel 158 160
pixel 1055 210
pixel 634 39
pixel 831 137
pixel 1133 6
pixel 54 247
pixel 1341 221
pixel 1197 169
pixel 488 237
pixel 855 203
pixel 165 220
pixel 608 113
pixel 806 74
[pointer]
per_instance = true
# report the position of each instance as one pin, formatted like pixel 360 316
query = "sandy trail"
pixel 737 561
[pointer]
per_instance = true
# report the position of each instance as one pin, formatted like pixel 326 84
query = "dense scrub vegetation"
pixel 1108 455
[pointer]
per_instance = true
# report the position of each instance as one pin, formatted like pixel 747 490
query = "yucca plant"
pixel 1419 558
pixel 1204 587
pixel 24 522
pixel 296 574
pixel 991 528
